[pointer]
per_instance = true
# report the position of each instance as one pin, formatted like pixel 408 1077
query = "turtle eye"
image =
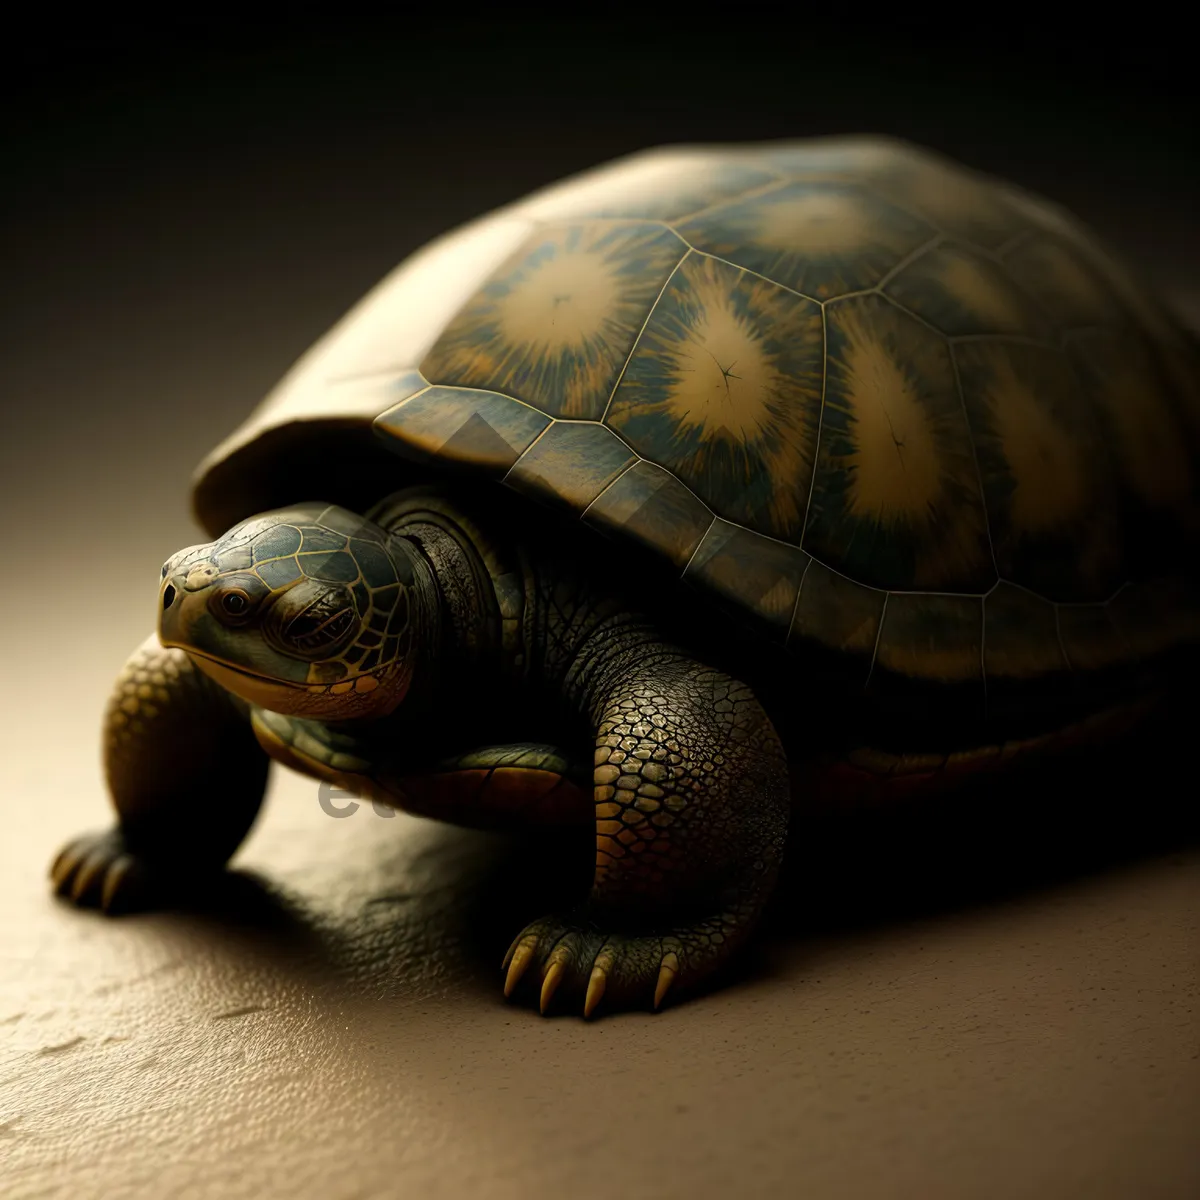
pixel 232 604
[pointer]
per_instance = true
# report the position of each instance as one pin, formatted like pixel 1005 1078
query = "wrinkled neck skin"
pixel 458 644
pixel 514 635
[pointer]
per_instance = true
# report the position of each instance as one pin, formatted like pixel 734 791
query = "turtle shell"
pixel 916 425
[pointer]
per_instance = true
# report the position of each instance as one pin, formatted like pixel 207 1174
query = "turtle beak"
pixel 171 622
pixel 181 598
pixel 184 577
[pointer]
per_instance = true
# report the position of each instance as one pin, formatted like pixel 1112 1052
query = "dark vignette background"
pixel 201 199
pixel 184 208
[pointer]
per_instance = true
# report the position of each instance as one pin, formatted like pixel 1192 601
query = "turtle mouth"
pixel 245 672
pixel 264 690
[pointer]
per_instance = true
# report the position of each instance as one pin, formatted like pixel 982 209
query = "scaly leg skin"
pixel 691 796
pixel 186 777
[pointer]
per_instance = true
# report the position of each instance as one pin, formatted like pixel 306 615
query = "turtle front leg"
pixel 692 798
pixel 186 776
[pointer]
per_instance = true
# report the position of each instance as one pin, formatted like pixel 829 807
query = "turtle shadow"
pixel 246 915
pixel 240 898
pixel 1003 837
pixel 1029 831
pixel 439 901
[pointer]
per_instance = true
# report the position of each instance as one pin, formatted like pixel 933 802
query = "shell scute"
pixel 962 292
pixel 836 623
pixel 464 426
pixel 650 506
pixel 724 390
pixel 1043 460
pixel 570 464
pixel 896 500
pixel 556 322
pixel 822 239
pixel 751 574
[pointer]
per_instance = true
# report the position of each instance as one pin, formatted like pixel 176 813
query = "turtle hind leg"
pixel 186 776
pixel 691 798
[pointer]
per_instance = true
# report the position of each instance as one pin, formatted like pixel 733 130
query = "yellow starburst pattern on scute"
pixel 822 222
pixel 1051 488
pixel 1095 277
pixel 975 288
pixel 896 498
pixel 961 293
pixel 555 323
pixel 724 383
pixel 1046 467
pixel 821 239
pixel 1150 440
pixel 1072 294
pixel 562 304
pixel 894 458
pixel 955 199
pixel 724 390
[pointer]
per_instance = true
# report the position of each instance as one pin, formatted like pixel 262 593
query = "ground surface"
pixel 967 1012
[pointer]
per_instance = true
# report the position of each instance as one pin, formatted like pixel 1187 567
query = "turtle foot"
pixel 99 870
pixel 575 957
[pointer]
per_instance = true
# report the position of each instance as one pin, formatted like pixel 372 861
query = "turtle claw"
pixel 517 960
pixel 99 871
pixel 550 982
pixel 65 862
pixel 575 959
pixel 667 971
pixel 118 880
pixel 88 874
pixel 595 991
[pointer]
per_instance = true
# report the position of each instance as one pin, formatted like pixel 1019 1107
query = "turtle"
pixel 711 483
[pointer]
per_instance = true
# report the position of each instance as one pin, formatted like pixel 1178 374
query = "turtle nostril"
pixel 168 596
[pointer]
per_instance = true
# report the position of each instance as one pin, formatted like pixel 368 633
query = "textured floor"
pixel 1018 1018
pixel 979 1009
pixel 332 1026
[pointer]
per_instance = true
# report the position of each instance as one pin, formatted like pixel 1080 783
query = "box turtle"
pixel 833 472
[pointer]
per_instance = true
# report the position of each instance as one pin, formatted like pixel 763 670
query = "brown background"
pixel 963 1007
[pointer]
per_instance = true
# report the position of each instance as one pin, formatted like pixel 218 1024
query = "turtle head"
pixel 311 611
